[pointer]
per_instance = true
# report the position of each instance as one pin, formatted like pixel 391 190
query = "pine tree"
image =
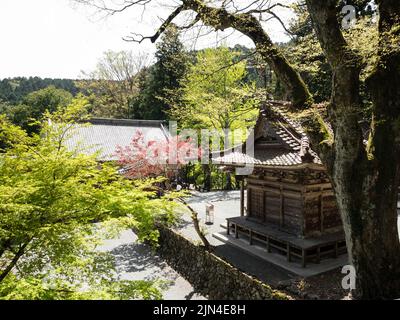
pixel 163 81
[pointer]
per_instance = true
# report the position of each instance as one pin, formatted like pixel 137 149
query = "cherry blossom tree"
pixel 146 158
pixel 150 158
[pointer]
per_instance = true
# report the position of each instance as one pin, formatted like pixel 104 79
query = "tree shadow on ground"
pixel 214 196
pixel 254 266
pixel 140 258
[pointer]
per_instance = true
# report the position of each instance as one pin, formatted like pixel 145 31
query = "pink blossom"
pixel 153 158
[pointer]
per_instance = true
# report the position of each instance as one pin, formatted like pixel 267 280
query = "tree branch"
pixel 247 24
pixel 197 227
pixel 11 265
pixel 344 111
pixel 221 19
pixel 160 30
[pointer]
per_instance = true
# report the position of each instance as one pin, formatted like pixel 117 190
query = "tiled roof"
pixel 105 135
pixel 279 142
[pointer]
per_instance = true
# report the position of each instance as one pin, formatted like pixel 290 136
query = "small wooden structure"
pixel 291 206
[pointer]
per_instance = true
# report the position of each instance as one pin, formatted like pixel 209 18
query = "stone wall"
pixel 210 275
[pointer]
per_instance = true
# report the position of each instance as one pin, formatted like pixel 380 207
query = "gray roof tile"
pixel 104 135
pixel 292 142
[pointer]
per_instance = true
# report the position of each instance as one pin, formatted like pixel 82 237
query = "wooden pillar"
pixel 282 214
pixel 248 201
pixel 228 231
pixel 242 198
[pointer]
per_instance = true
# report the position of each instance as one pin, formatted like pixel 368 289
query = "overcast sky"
pixel 51 38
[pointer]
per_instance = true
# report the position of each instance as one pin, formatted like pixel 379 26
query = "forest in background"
pixel 190 87
pixel 339 80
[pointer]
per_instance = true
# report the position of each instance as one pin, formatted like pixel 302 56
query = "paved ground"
pixel 227 204
pixel 136 261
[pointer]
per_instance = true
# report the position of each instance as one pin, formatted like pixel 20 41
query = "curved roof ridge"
pixel 281 109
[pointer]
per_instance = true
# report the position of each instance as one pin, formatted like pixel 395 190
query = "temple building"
pixel 291 207
pixel 104 135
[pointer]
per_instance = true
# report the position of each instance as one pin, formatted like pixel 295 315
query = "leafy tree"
pixel 364 177
pixel 151 158
pixel 14 90
pixel 34 105
pixel 160 91
pixel 214 94
pixel 112 86
pixel 142 158
pixel 48 99
pixel 50 197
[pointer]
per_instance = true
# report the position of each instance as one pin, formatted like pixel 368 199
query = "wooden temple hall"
pixel 290 208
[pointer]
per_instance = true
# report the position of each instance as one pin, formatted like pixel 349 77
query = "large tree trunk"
pixel 365 180
pixel 367 199
pixel 381 182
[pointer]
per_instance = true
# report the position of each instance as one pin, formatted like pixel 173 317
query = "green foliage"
pixel 158 88
pixel 34 105
pixel 363 38
pixel 113 85
pixel 47 99
pixel 31 288
pixel 14 90
pixel 214 93
pixel 258 72
pixel 306 55
pixel 194 174
pixel 57 205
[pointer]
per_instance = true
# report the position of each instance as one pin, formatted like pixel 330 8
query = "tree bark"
pixel 365 180
pixel 196 224
pixel 383 151
pixel 221 19
pixel 13 262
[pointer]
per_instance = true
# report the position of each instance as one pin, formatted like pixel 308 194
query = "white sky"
pixel 51 38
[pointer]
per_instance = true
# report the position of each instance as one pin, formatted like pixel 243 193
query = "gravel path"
pixel 135 261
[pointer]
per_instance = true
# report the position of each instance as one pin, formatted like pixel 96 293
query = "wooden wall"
pixel 321 213
pixel 300 202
